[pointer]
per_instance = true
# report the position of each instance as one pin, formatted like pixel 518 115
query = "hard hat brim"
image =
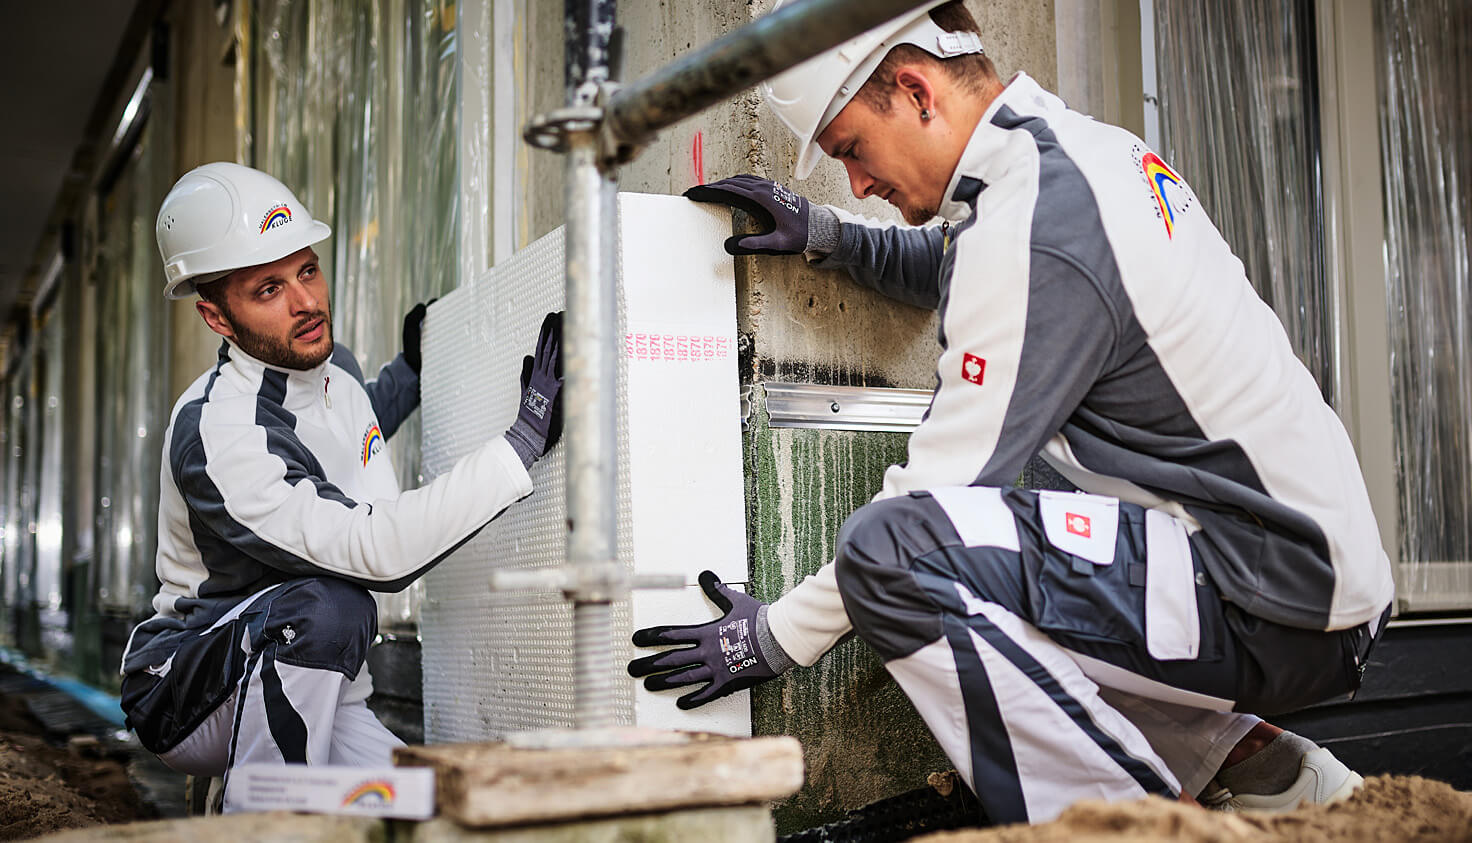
pixel 186 286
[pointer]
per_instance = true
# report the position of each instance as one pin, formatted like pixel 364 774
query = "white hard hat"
pixel 221 217
pixel 807 97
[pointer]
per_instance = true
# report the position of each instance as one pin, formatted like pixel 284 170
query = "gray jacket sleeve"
pixel 901 262
pixel 394 394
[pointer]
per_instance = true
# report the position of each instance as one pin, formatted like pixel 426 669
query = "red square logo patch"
pixel 1077 524
pixel 973 368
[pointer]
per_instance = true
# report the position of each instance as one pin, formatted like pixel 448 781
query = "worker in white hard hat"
pixel 279 509
pixel 1219 559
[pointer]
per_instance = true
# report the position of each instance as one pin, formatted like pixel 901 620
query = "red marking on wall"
pixel 697 158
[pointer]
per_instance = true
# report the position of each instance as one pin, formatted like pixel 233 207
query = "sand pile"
pixel 1400 808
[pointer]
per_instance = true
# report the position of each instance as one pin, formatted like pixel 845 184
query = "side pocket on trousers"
pixel 1077 588
pixel 201 675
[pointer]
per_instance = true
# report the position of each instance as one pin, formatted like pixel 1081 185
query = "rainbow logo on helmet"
pixel 1159 175
pixel 279 215
pixel 372 442
pixel 378 792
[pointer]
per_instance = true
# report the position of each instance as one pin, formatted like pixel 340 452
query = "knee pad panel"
pixel 323 623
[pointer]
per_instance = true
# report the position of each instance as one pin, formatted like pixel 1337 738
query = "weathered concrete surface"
pixel 742 824
pixel 276 826
pixel 862 740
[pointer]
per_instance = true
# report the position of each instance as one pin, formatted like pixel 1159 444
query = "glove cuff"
pixel 823 230
pixel 526 442
pixel 776 657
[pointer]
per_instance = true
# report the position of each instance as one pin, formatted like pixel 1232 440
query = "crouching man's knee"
pixel 875 569
pixel 324 623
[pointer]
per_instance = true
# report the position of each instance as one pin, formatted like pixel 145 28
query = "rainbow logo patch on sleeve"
pixel 279 215
pixel 372 442
pixel 379 793
pixel 1159 176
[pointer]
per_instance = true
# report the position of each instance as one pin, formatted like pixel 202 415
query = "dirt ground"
pixel 45 788
pixel 1399 808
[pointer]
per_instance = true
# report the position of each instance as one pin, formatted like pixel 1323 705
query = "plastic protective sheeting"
pixel 50 574
pixel 1239 109
pixel 356 106
pixel 1426 143
pixel 133 403
pixel 503 662
pixel 16 546
pixel 49 494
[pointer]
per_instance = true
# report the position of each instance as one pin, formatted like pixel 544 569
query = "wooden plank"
pixel 494 784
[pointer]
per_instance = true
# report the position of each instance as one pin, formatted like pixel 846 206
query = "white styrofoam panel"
pixel 727 716
pixel 497 663
pixel 680 352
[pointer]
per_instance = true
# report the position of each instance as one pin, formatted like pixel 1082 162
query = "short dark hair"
pixel 974 71
pixel 214 292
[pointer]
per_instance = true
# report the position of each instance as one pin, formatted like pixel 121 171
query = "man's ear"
pixel 914 85
pixel 214 317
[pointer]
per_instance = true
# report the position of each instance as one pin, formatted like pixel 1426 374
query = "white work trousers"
pixel 1068 646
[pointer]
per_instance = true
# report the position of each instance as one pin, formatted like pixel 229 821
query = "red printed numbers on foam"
pixel 973 368
pixel 680 348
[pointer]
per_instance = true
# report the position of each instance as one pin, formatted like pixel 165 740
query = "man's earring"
pixel 925 114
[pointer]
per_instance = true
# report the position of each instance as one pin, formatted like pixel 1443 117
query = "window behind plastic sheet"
pixel 1425 58
pixel 1238 88
pixel 355 108
pixel 50 566
pixel 12 517
pixel 133 403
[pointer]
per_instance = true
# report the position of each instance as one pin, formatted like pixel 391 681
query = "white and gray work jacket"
pixel 270 474
pixel 1089 310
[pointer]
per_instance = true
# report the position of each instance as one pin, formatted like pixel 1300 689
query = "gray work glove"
pixel 539 417
pixel 730 654
pixel 790 224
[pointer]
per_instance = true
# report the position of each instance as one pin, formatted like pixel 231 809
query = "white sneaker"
pixel 1321 780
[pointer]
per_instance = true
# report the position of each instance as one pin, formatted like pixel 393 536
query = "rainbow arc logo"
pixel 1158 174
pixel 372 443
pixel 279 215
pixel 377 792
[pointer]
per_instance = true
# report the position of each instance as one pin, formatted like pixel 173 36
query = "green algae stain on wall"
pixel 862 740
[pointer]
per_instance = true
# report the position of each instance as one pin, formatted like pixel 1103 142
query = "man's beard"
pixel 917 216
pixel 275 351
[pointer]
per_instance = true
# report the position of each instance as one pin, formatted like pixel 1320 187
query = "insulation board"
pixel 496 663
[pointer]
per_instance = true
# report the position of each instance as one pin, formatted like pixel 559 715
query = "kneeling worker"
pixel 279 510
pixel 1063 647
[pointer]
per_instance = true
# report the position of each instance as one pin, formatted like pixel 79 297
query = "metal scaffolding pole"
pixel 591 372
pixel 601 127
pixel 729 65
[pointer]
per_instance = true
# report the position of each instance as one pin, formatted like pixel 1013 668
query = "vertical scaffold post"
pixel 590 369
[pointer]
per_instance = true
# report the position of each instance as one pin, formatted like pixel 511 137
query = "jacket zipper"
pixel 326 396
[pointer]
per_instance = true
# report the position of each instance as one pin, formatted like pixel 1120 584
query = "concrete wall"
pixel 862 738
